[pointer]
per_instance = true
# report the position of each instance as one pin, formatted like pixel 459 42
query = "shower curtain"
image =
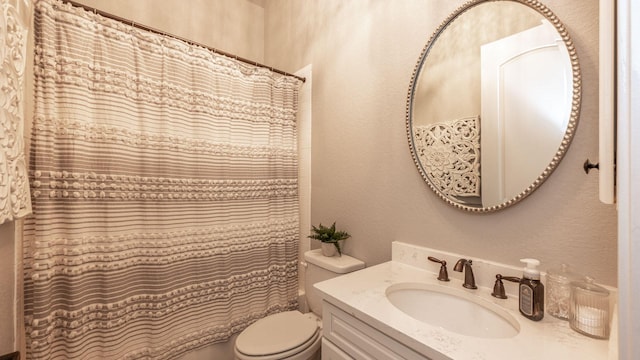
pixel 164 189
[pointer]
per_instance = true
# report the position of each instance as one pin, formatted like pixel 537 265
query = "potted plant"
pixel 330 238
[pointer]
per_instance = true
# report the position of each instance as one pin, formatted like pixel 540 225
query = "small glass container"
pixel 559 290
pixel 589 310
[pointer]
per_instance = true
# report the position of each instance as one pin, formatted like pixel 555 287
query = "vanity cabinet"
pixel 346 337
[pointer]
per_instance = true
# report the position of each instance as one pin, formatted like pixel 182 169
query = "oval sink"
pixel 452 309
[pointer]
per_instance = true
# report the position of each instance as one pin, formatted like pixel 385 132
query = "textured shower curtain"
pixel 164 189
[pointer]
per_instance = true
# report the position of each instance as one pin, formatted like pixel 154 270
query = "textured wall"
pixel 232 26
pixel 363 53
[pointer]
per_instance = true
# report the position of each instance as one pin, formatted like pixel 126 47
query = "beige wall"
pixel 363 53
pixel 232 26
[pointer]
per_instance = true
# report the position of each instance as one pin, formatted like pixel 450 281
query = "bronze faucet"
pixel 469 279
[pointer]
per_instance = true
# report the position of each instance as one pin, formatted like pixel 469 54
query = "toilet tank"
pixel 321 268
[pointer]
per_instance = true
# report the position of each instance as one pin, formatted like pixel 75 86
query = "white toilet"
pixel 293 335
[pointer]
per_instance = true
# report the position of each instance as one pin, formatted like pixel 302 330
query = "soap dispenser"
pixel 531 292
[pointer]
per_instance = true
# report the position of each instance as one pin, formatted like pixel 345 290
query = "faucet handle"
pixel 443 275
pixel 498 287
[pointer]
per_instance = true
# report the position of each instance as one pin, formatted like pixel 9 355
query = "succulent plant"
pixel 329 235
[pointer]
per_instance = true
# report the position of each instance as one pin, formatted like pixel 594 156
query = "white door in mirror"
pixel 525 76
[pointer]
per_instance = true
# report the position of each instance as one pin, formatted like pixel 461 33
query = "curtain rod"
pixel 160 32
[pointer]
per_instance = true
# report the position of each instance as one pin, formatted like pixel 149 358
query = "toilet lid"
pixel 276 333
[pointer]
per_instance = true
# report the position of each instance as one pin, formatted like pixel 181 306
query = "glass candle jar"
pixel 559 290
pixel 589 310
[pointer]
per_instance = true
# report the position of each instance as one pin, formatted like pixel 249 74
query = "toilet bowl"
pixel 292 335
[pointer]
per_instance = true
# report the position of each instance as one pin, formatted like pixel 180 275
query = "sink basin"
pixel 455 310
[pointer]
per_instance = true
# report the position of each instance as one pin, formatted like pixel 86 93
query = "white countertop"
pixel 362 294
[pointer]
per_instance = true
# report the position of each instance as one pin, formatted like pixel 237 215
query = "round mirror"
pixel 493 103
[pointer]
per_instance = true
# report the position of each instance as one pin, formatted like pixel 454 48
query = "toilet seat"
pixel 278 336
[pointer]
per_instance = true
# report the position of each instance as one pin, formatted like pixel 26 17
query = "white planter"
pixel 329 249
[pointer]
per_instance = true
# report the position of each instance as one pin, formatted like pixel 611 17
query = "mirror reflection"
pixel 493 103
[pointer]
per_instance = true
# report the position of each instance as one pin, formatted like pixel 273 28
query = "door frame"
pixel 628 175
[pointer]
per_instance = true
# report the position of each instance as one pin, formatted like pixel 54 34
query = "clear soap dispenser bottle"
pixel 531 292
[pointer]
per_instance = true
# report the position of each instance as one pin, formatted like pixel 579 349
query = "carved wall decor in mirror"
pixel 493 103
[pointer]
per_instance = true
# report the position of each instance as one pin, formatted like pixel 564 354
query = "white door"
pixel 526 104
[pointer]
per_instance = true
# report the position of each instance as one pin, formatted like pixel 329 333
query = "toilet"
pixel 292 335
